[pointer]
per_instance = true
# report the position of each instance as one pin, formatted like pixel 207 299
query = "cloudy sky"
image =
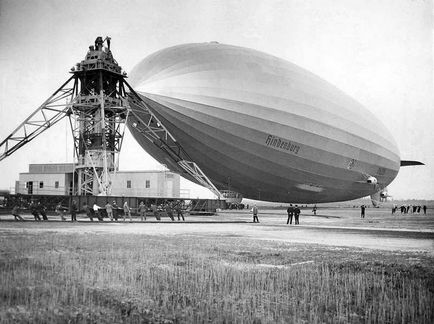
pixel 378 51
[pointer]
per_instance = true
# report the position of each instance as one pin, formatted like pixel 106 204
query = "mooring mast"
pixel 94 99
pixel 99 110
pixel 98 106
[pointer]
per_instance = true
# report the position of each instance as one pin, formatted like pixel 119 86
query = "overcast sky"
pixel 378 51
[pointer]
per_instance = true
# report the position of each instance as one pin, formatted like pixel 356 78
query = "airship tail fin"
pixel 409 163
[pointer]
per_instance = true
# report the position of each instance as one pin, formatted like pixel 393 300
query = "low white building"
pixel 146 184
pixel 57 179
pixel 46 179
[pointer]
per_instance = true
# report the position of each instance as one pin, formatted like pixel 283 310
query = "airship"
pixel 264 127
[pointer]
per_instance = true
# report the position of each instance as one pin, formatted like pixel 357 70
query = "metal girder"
pixel 193 169
pixel 153 130
pixel 95 165
pixel 55 108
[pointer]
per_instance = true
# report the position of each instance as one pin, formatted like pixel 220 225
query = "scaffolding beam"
pixel 154 131
pixel 54 109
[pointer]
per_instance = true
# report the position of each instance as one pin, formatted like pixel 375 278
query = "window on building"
pixel 128 183
pixel 56 184
pixel 41 185
pixel 148 184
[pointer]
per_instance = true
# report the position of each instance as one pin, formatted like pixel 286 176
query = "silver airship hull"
pixel 262 126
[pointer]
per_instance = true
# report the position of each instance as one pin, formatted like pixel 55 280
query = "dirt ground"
pixel 379 230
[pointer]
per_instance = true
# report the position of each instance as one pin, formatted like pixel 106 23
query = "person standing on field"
pixel 59 211
pixel 362 211
pixel 255 214
pixel 109 210
pixel 142 211
pixel 155 211
pixel 290 212
pixel 296 214
pixel 169 211
pixel 179 212
pixel 74 211
pixel 34 211
pixel 115 210
pixel 127 211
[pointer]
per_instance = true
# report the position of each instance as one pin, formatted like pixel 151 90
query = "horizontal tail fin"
pixel 408 163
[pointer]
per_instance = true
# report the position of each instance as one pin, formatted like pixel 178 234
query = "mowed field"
pixel 333 268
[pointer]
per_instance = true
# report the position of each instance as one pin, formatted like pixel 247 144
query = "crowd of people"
pixel 113 212
pixel 406 209
pixel 293 212
pixel 110 210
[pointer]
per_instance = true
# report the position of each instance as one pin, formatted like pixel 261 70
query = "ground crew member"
pixel 74 211
pixel 255 214
pixel 34 211
pixel 314 210
pixel 59 211
pixel 169 211
pixel 424 209
pixel 127 211
pixel 109 210
pixel 42 209
pixel 155 211
pixel 362 211
pixel 142 211
pixel 96 209
pixel 16 213
pixel 89 211
pixel 115 210
pixel 296 214
pixel 179 212
pixel 290 212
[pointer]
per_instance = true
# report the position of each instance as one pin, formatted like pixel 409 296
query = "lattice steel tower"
pixel 100 110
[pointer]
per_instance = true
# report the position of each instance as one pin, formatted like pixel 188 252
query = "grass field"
pixel 110 278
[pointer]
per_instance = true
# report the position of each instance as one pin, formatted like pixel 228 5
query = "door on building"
pixel 30 187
